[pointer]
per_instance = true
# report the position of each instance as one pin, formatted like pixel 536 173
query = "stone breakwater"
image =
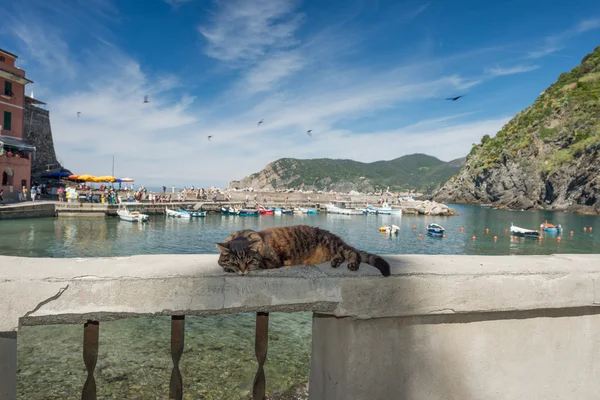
pixel 428 207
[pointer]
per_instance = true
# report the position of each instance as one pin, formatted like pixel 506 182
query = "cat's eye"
pixel 231 271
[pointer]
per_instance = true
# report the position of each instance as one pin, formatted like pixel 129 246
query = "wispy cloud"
pixel 247 30
pixel 554 43
pixel 517 69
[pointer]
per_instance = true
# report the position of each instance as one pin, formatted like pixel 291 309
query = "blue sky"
pixel 368 77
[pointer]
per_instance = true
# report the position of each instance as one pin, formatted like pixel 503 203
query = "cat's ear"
pixel 254 246
pixel 223 248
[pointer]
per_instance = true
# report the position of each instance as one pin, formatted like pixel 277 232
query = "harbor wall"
pixel 440 327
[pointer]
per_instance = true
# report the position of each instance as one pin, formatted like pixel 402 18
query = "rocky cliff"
pixel 546 156
pixel 412 172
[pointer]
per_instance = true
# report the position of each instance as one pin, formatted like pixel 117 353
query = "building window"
pixel 7 180
pixel 23 183
pixel 7 121
pixel 2 59
pixel 8 88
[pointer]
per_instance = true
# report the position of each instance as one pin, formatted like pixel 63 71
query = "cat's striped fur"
pixel 248 250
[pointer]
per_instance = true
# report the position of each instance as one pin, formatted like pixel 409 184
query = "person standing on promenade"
pixel 1 195
pixel 33 193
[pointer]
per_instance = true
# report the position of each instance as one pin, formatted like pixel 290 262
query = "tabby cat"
pixel 248 250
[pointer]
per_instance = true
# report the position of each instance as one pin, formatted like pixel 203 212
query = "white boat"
pixel 333 209
pixel 131 216
pixel 390 229
pixel 385 209
pixel 517 231
pixel 177 214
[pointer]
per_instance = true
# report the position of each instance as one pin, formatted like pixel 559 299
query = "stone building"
pixel 37 132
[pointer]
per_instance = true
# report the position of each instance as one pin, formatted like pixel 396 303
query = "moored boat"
pixel 385 209
pixel 265 211
pixel 435 230
pixel 177 214
pixel 131 216
pixel 390 229
pixel 517 231
pixel 194 213
pixel 333 209
pixel 546 227
pixel 244 212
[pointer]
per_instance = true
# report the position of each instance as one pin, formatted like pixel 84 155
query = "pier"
pixel 440 327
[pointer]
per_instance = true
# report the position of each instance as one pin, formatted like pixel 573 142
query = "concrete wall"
pixel 440 327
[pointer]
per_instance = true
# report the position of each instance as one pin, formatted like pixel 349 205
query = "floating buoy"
pixel 590 228
pixel 382 229
pixel 487 230
pixel 444 236
pixel 584 229
pixel 414 227
pixel 571 233
pixel 420 235
pixel 515 238
pixel 506 231
pixel 474 237
pixel 495 238
pixel 462 229
pixel 558 239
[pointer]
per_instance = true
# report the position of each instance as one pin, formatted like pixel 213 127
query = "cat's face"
pixel 239 256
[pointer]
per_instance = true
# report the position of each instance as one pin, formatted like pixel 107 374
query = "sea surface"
pixel 218 361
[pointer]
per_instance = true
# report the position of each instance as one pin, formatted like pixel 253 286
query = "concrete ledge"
pixel 40 291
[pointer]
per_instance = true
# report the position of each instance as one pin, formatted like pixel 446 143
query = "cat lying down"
pixel 248 250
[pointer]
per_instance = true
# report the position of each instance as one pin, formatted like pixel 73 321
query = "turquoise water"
pixel 218 362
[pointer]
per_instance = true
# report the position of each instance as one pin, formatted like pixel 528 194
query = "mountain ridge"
pixel 410 172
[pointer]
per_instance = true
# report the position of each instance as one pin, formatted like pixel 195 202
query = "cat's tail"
pixel 376 261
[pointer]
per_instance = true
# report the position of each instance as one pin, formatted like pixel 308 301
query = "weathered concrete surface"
pixel 29 209
pixel 34 291
pixel 8 365
pixel 457 357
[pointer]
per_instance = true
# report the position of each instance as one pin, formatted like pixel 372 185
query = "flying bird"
pixel 456 98
pixel 260 122
pixel 209 138
pixel 309 132
pixel 146 99
pixel 78 112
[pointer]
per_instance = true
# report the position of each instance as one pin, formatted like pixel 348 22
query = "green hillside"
pixel 411 172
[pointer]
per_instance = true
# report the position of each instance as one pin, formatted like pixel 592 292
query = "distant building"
pixel 16 155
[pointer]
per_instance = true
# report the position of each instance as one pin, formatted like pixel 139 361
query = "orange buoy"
pixel 487 230
pixel 571 233
pixel 414 227
pixel 515 238
pixel 444 236
pixel 462 229
pixel 506 231
pixel 474 237
pixel 559 239
pixel 590 228
pixel 584 229
pixel 420 235
pixel 495 238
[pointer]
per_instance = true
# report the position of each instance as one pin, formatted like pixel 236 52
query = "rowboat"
pixel 517 231
pixel 247 213
pixel 333 209
pixel 228 211
pixel 309 211
pixel 265 211
pixel 435 230
pixel 131 216
pixel 193 213
pixel 546 227
pixel 384 210
pixel 177 214
pixel 390 229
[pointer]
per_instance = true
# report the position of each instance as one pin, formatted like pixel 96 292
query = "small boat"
pixel 297 211
pixel 286 211
pixel 177 214
pixel 333 209
pixel 193 213
pixel 390 229
pixel 384 210
pixel 244 212
pixel 546 227
pixel 131 216
pixel 228 211
pixel 309 211
pixel 435 230
pixel 277 211
pixel 265 211
pixel 517 231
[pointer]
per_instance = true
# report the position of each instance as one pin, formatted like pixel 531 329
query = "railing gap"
pixel 90 357
pixel 260 345
pixel 177 336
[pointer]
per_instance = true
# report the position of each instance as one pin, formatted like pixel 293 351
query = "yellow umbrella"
pixel 86 178
pixel 107 178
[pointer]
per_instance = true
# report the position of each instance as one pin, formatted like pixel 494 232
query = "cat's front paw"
pixel 353 266
pixel 336 262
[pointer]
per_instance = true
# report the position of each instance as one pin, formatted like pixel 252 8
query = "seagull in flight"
pixel 260 122
pixel 309 132
pixel 456 98
pixel 78 112
pixel 209 138
pixel 146 99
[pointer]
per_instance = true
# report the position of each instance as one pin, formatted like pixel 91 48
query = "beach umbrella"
pixel 106 179
pixel 56 175
pixel 73 177
pixel 126 180
pixel 86 178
